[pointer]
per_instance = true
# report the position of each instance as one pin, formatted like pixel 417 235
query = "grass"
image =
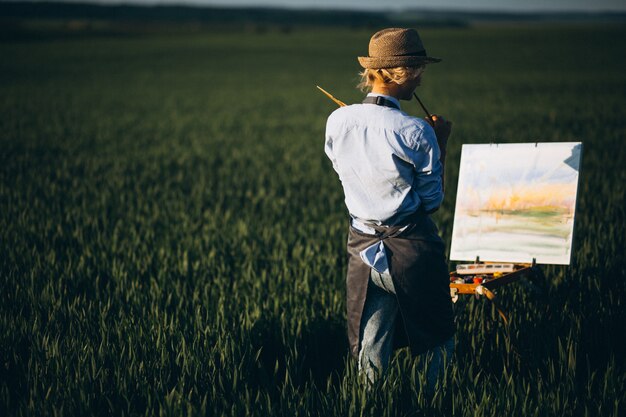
pixel 173 235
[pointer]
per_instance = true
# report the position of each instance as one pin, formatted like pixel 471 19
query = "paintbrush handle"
pixel 430 117
pixel 330 96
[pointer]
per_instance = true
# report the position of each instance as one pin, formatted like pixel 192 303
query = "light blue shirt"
pixel 388 164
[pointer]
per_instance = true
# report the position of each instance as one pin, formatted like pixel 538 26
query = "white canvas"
pixel 516 202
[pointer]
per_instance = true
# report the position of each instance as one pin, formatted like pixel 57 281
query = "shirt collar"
pixel 392 99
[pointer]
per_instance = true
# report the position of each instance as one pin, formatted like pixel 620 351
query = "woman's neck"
pixel 386 89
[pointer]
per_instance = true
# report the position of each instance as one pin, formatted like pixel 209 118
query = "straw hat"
pixel 395 47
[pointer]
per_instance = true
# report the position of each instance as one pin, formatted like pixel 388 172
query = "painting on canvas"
pixel 516 202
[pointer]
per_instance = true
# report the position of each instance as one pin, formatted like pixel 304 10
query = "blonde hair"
pixel 398 75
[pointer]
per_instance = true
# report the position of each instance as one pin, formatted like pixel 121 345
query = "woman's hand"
pixel 442 128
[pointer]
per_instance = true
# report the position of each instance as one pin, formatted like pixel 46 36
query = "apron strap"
pixel 380 101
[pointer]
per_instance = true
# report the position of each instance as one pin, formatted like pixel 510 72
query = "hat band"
pixel 420 53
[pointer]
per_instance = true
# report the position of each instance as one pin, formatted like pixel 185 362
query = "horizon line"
pixel 305 8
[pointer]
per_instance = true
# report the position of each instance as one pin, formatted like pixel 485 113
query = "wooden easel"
pixel 484 283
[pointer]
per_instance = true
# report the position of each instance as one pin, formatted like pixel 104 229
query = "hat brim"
pixel 395 61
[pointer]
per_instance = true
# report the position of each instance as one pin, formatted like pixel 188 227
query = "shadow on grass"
pixel 315 352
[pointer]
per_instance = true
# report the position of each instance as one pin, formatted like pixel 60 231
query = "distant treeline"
pixel 197 14
pixel 77 15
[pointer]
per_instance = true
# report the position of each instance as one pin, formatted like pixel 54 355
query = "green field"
pixel 173 236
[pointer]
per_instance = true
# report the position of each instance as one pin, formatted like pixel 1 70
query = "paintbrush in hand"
pixel 430 116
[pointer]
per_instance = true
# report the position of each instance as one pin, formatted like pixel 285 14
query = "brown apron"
pixel 418 267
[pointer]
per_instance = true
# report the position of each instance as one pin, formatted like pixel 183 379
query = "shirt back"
pixel 387 161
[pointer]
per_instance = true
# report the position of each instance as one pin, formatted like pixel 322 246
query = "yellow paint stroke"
pixel 560 195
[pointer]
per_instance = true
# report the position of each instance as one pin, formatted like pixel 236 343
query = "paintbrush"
pixel 341 103
pixel 430 116
pixel 330 96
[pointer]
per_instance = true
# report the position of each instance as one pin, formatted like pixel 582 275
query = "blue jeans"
pixel 377 328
